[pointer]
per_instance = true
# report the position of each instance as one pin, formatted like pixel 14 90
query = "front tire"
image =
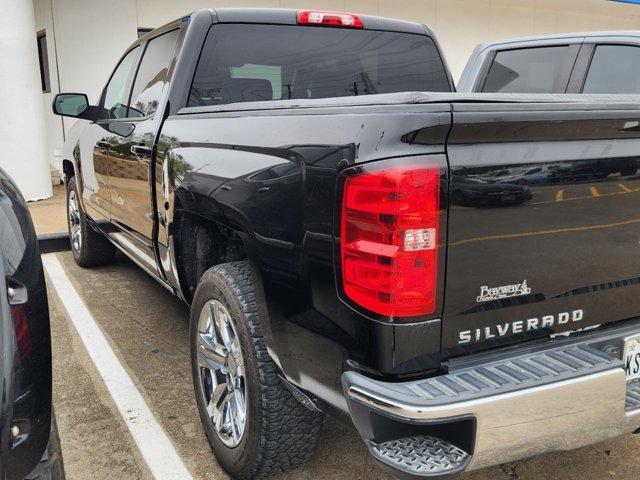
pixel 255 427
pixel 89 248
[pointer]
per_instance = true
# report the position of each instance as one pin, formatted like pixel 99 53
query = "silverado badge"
pixel 505 291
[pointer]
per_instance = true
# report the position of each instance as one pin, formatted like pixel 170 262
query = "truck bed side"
pixel 271 177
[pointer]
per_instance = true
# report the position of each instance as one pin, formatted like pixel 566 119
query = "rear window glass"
pixel 248 63
pixel 529 70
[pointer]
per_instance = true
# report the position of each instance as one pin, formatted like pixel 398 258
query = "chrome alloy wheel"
pixel 75 227
pixel 221 372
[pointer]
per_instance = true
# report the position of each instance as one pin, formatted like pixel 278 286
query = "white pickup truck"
pixel 568 63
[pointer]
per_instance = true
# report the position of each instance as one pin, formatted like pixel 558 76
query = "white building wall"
pixel 22 129
pixel 54 124
pixel 150 16
pixel 92 34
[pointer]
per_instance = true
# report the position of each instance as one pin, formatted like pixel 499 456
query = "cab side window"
pixel 529 70
pixel 116 94
pixel 152 74
pixel 614 69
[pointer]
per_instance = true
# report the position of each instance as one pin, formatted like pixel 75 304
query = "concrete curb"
pixel 55 242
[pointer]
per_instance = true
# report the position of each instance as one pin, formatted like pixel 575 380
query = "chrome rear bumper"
pixel 559 397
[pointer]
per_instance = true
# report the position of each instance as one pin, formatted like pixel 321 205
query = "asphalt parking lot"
pixel 147 328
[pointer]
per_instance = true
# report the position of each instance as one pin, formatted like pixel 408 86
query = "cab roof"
pixel 284 16
pixel 561 37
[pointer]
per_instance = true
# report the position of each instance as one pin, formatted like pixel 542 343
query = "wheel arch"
pixel 201 242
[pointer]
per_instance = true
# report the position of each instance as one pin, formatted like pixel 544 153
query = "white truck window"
pixel 528 70
pixel 624 60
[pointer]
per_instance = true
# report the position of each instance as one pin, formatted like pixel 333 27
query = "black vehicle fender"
pixel 26 340
pixel 71 167
pixel 8 354
pixel 228 241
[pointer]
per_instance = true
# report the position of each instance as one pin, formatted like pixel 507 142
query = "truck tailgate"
pixel 544 225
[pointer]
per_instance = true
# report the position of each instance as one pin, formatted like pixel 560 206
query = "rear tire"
pixel 89 247
pixel 278 433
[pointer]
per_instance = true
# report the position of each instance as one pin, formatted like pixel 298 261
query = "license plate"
pixel 632 357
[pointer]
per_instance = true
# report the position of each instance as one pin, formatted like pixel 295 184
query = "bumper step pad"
pixel 421 456
pixel 497 377
pixel 523 401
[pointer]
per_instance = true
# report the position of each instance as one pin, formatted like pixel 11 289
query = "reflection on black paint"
pixel 480 192
pixel 568 193
pixel 32 383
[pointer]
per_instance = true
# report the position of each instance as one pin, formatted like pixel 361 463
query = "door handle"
pixel 141 150
pixel 103 144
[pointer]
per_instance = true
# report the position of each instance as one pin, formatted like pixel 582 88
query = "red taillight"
pixel 21 327
pixel 314 17
pixel 389 240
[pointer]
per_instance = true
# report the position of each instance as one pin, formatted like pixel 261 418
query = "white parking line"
pixel 152 441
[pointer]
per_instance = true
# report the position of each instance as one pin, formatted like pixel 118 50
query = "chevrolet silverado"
pixel 454 273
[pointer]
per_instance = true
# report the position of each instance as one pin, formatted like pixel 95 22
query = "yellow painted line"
pixel 594 192
pixel 624 187
pixel 546 232
pixel 559 195
pixel 585 197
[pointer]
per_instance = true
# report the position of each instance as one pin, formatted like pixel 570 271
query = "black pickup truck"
pixel 457 273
